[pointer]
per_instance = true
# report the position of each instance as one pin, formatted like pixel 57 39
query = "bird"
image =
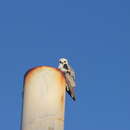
pixel 69 75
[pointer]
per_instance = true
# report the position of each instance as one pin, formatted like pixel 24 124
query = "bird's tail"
pixel 71 93
pixel 74 98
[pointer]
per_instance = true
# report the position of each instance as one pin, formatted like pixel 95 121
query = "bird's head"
pixel 63 61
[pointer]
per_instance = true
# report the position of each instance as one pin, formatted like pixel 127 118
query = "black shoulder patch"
pixel 65 66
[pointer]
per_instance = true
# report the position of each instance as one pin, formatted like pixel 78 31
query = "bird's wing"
pixel 72 73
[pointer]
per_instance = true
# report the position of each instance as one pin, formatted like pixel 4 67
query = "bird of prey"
pixel 69 76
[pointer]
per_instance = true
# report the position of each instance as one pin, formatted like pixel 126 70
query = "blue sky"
pixel 93 35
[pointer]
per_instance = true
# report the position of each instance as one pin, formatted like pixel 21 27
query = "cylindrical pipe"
pixel 44 99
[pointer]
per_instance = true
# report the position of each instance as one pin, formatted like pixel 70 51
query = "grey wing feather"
pixel 72 72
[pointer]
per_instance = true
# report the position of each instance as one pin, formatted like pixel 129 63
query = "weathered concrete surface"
pixel 44 99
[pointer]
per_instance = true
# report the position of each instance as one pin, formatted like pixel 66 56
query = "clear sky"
pixel 93 34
